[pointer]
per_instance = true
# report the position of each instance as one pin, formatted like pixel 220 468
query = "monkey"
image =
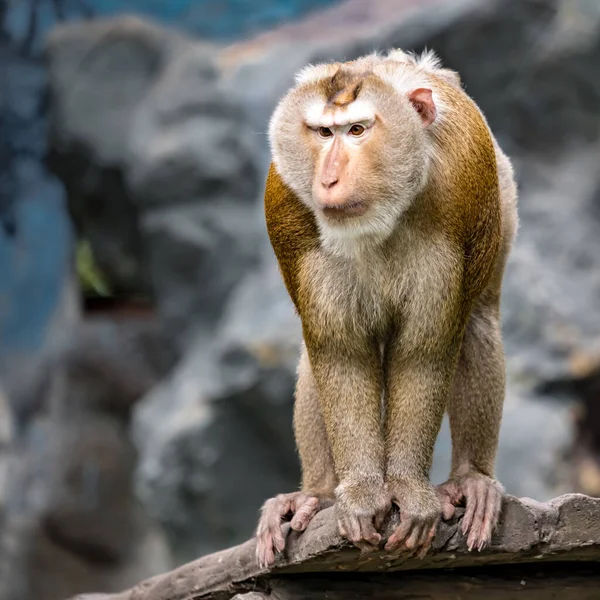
pixel 391 210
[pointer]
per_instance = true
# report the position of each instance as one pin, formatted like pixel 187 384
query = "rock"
pixel 110 361
pixel 78 525
pixel 215 438
pixel 582 385
pixel 7 435
pixel 565 529
pixel 93 462
pixel 70 501
pixel 158 164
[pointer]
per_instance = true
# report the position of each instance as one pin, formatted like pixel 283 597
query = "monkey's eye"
pixel 325 132
pixel 357 130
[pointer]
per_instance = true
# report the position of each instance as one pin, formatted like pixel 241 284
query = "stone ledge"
pixel 566 528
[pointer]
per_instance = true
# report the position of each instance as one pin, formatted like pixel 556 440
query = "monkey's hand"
pixel 361 508
pixel 483 498
pixel 420 512
pixel 301 506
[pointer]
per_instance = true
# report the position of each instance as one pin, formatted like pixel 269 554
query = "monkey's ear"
pixel 422 100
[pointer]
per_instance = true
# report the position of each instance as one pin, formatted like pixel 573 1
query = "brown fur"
pixel 343 89
pixel 428 294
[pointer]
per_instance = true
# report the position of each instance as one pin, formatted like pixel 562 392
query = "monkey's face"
pixel 353 147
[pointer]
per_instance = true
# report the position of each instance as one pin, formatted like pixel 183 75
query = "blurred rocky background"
pixel 147 345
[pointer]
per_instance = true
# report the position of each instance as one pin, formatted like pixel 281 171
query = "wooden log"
pixel 564 531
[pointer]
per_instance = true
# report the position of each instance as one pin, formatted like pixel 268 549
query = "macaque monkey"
pixel 391 210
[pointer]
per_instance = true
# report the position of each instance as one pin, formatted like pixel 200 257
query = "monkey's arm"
pixel 475 411
pixel 349 383
pixel 318 474
pixel 347 374
pixel 419 367
pixel 418 389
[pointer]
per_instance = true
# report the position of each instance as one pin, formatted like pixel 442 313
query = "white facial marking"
pixel 314 116
pixel 359 111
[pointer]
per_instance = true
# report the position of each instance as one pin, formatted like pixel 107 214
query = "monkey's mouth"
pixel 340 212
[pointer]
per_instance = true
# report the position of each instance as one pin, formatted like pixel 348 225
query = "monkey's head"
pixel 353 141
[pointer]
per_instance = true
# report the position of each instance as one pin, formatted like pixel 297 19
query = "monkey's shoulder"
pixel 290 224
pixel 291 228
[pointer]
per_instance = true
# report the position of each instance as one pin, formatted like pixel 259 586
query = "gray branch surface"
pixel 564 529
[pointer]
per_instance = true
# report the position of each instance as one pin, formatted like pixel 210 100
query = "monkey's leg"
pixel 417 386
pixel 318 475
pixel 475 411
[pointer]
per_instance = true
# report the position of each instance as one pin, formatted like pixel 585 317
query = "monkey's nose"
pixel 329 182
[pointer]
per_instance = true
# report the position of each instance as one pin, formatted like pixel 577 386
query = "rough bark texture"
pixel 562 530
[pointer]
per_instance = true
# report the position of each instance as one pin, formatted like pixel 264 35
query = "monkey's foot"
pixel 360 511
pixel 482 496
pixel 420 513
pixel 301 506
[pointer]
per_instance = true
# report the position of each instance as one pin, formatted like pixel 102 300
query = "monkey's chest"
pixel 379 297
pixel 367 298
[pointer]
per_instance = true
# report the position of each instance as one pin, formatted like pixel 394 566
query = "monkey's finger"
pixel 469 513
pixel 449 496
pixel 350 528
pixel 270 522
pixel 397 538
pixel 305 513
pixel 265 554
pixel 413 539
pixel 424 544
pixel 425 537
pixel 427 540
pixel 272 536
pixel 283 505
pixel 477 523
pixel 368 532
pixel 455 493
pixel 342 530
pixel 448 509
pixel 492 512
pixel 276 533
